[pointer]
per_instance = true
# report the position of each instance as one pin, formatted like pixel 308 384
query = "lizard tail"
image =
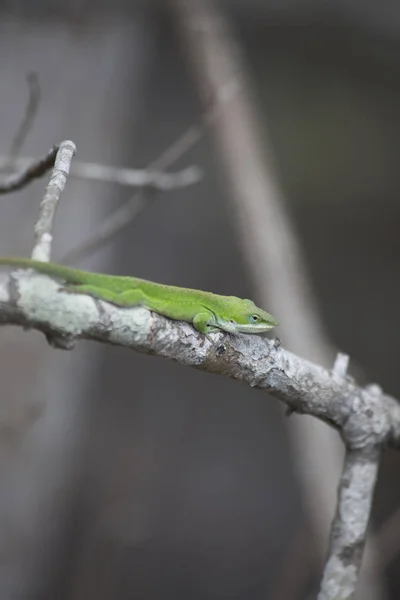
pixel 67 274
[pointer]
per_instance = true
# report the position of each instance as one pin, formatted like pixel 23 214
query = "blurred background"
pixel 128 476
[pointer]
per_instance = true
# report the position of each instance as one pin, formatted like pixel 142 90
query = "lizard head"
pixel 245 317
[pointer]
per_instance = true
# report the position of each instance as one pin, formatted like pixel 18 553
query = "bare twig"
pixel 48 206
pixel 349 529
pixel 341 364
pixel 153 177
pixel 32 169
pixel 137 177
pixel 28 119
pixel 150 178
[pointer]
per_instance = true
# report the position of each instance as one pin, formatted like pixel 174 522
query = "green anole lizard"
pixel 206 311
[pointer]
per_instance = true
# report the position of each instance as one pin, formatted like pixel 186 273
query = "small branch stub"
pixel 341 364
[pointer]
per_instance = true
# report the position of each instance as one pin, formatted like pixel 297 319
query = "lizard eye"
pixel 232 321
pixel 254 318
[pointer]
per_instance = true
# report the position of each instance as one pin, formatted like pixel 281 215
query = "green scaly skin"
pixel 206 311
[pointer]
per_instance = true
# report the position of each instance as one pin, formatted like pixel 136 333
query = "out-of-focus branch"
pixel 349 528
pixel 49 203
pixel 270 245
pixel 137 177
pixel 150 178
pixel 28 119
pixel 273 254
pixel 31 169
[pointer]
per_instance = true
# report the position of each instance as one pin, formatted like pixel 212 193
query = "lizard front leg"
pixel 205 322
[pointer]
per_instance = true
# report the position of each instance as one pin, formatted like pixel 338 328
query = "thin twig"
pixel 32 169
pixel 48 206
pixel 349 529
pixel 150 178
pixel 28 119
pixel 137 177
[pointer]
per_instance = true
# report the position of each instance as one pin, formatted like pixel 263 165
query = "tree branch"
pixel 363 417
pixel 27 120
pixel 349 529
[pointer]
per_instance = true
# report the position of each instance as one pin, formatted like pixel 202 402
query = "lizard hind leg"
pixel 125 299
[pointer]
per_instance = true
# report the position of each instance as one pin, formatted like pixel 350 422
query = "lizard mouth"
pixel 255 328
pixel 233 327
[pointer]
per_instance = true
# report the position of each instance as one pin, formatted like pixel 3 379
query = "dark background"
pixel 126 476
